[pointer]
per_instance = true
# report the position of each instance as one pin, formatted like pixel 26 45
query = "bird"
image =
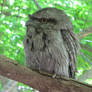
pixel 50 45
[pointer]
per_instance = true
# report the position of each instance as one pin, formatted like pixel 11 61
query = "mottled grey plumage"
pixel 50 44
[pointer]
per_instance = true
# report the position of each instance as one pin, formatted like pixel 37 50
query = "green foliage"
pixel 14 14
pixel 0 86
pixel 24 88
pixel 89 81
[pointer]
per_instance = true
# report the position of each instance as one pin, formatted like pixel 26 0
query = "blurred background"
pixel 13 16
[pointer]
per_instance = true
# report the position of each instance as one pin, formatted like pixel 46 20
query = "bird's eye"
pixel 43 20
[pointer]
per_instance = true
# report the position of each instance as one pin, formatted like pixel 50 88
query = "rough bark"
pixel 11 69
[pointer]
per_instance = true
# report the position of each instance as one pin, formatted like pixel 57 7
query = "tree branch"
pixel 11 69
pixel 85 32
pixel 37 4
pixel 9 14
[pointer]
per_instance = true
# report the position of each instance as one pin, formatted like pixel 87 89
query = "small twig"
pixel 37 4
pixel 84 34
